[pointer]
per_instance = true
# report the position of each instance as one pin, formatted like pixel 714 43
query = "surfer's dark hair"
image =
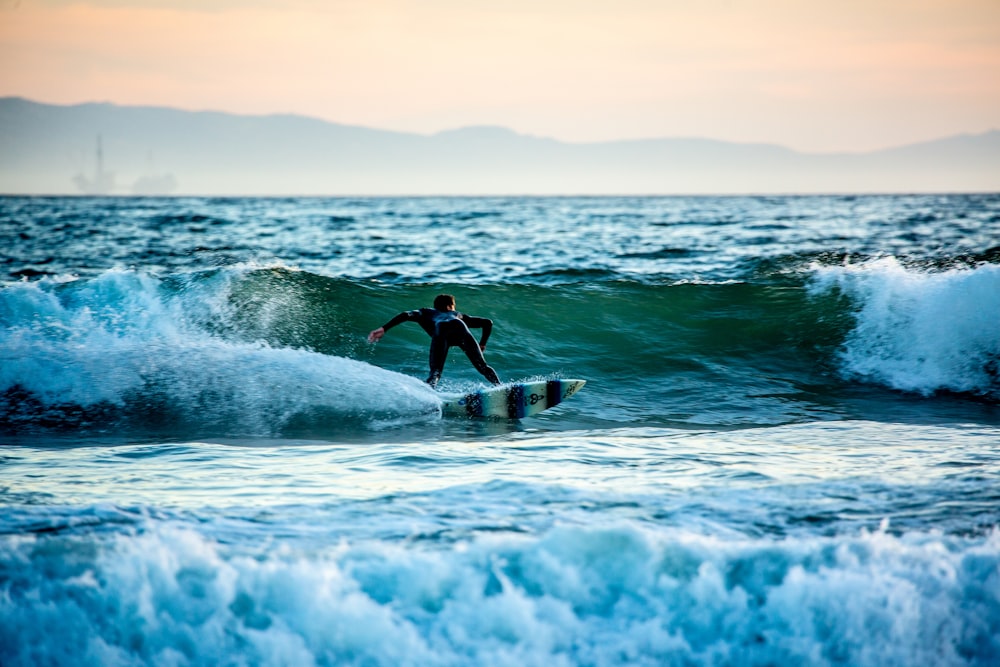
pixel 442 301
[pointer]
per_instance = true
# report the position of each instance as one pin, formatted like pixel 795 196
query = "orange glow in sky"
pixel 819 75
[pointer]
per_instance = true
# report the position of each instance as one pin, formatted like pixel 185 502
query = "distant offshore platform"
pixel 103 182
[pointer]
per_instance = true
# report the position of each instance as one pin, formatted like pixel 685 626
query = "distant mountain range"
pixel 110 149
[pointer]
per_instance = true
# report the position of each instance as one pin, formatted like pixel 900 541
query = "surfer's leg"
pixel 439 353
pixel 470 346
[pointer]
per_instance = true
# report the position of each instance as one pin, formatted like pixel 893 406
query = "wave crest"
pixel 921 331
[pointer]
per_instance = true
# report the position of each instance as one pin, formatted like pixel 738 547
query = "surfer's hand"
pixel 376 335
pixel 482 347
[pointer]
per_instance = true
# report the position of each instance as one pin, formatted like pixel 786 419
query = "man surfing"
pixel 446 327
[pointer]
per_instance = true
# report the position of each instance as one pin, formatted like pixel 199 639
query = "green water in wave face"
pixel 706 354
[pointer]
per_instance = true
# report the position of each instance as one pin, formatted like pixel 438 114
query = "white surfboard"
pixel 513 401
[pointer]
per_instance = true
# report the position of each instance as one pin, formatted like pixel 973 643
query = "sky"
pixel 813 75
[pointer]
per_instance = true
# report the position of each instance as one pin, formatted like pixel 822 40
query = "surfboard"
pixel 513 401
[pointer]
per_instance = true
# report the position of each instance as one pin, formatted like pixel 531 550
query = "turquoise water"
pixel 786 452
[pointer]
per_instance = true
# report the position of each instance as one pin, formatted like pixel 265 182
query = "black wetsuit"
pixel 447 328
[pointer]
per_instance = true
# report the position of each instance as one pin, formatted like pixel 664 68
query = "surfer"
pixel 446 327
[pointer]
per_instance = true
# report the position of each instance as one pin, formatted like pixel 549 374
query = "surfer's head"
pixel 444 302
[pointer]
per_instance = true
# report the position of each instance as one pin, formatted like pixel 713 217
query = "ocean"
pixel 787 451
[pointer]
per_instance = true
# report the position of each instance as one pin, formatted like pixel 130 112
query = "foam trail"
pixel 918 330
pixel 124 346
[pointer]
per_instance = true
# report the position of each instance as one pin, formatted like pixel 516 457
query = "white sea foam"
pixel 921 331
pixel 125 341
pixel 572 596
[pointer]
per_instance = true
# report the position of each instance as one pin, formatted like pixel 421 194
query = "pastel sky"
pixel 815 75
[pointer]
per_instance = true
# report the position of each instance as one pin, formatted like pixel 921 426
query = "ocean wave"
pixel 918 330
pixel 261 348
pixel 601 595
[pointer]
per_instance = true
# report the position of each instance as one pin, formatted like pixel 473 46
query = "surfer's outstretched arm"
pixel 406 316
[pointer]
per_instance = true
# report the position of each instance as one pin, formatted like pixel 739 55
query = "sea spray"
pixel 919 330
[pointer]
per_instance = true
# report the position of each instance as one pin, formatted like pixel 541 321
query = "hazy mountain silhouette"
pixel 48 149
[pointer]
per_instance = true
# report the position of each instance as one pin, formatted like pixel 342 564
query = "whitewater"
pixel 786 452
